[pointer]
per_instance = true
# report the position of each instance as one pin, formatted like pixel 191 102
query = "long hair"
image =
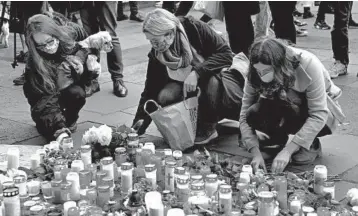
pixel 42 74
pixel 160 21
pixel 271 51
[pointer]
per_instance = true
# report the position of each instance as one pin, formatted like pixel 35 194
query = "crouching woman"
pixel 289 101
pixel 186 54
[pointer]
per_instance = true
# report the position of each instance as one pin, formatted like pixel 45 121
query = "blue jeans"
pixel 102 16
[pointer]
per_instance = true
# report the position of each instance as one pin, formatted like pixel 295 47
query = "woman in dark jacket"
pixel 188 54
pixel 54 74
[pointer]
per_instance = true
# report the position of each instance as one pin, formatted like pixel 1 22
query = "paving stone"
pixel 136 55
pixel 131 110
pixel 12 131
pixel 136 73
pixel 351 175
pixel 342 188
pixel 105 102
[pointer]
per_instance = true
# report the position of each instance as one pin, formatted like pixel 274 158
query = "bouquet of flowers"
pixel 104 140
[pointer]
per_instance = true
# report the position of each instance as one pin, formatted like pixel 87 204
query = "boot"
pixel 205 133
pixel 307 13
pixel 119 89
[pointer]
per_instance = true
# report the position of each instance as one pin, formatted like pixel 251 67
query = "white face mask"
pixel 266 72
pixel 52 48
pixel 267 77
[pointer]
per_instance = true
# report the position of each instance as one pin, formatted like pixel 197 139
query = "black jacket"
pixel 207 43
pixel 45 108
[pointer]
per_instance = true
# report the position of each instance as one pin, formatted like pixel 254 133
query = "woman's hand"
pixel 93 65
pixel 76 64
pixel 257 160
pixel 136 127
pixel 190 83
pixel 281 161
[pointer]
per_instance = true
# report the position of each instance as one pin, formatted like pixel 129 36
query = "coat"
pixel 206 42
pixel 311 79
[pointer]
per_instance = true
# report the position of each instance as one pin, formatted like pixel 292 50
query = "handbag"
pixel 213 9
pixel 177 122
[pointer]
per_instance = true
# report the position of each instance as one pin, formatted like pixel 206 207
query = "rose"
pixel 90 136
pixel 104 135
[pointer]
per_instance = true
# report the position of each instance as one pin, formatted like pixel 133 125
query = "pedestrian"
pixel 187 54
pixel 287 93
pixel 55 111
pixel 133 5
pixel 340 39
pixel 102 16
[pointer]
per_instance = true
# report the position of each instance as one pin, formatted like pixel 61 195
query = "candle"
pixel 211 184
pixel 64 173
pixel 244 177
pixel 152 197
pixel 56 191
pixel 67 144
pixel 151 175
pixel 320 176
pixel 175 212
pixel 74 178
pixel 127 177
pixel 86 155
pixel 54 145
pixel 295 206
pixel 73 211
pixel 280 186
pixel 225 199
pixel 77 166
pixel 12 202
pixel 41 153
pixel 13 158
pixel 57 171
pixel 247 168
pixel 20 182
pixel 156 210
pixel 33 187
pixel 107 166
pixel 329 188
pixel 182 190
pixel 169 175
pixel 67 205
pixel 150 146
pixel 178 156
pixel 35 161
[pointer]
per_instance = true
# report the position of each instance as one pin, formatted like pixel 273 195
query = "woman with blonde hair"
pixel 186 54
pixel 289 101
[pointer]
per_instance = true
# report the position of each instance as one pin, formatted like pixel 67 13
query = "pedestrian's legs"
pixel 322 10
pixel 239 28
pixel 120 9
pixel 169 6
pixel 107 22
pixel 72 99
pixel 282 17
pixel 89 18
pixel 183 8
pixel 133 8
pixel 339 34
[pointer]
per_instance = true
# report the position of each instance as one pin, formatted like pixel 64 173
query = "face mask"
pixel 51 48
pixel 267 77
pixel 164 44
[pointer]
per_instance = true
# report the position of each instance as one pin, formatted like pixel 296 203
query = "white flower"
pixel 104 135
pixel 90 136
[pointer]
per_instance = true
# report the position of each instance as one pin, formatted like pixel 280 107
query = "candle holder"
pixel 33 187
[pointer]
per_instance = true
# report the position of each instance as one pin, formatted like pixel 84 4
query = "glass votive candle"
pixel 46 190
pixel 33 187
pixel 329 188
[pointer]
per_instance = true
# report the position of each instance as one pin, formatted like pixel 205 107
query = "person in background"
pixel 102 15
pixel 321 18
pixel 285 105
pixel 186 54
pixel 352 24
pixel 133 5
pixel 340 39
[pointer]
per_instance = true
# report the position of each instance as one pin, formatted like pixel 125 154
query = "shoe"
pixel 299 23
pixel 19 80
pixel 92 88
pixel 135 18
pixel 73 127
pixel 307 13
pixel 296 13
pixel 122 17
pixel 206 134
pixel 352 24
pixel 119 89
pixel 304 156
pixel 301 33
pixel 22 57
pixel 322 25
pixel 337 69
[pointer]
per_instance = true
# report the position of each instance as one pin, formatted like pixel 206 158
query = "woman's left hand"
pixel 76 64
pixel 190 83
pixel 281 161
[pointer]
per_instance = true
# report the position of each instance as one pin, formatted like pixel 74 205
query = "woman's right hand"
pixel 258 161
pixel 136 126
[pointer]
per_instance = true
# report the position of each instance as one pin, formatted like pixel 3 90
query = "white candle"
pixel 77 166
pixel 156 210
pixel 152 197
pixel 150 146
pixel 295 206
pixel 41 153
pixel 35 161
pixel 13 158
pixel 67 205
pixel 151 174
pixel 54 145
pixel 244 177
pixel 247 168
pixel 86 155
pixel 107 166
pixel 33 187
pixel 127 177
pixel 320 176
pixel 175 212
pixel 169 176
pixel 74 178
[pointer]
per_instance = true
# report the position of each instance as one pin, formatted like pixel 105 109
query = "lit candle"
pixel 320 176
pixel 42 154
pixel 151 174
pixel 74 178
pixel 77 166
pixel 295 206
pixel 247 168
pixel 13 158
pixel 67 205
pixel 244 177
pixel 86 155
pixel 35 161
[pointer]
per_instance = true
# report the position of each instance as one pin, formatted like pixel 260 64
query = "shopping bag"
pixel 177 122
pixel 213 9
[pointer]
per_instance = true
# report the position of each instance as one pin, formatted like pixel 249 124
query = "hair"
pixel 42 75
pixel 274 52
pixel 160 22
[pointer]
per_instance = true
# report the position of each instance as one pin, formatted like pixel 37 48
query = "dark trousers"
pixel 169 6
pixel 339 34
pixel 239 27
pixel 71 100
pixel 102 16
pixel 322 10
pixel 185 7
pixel 282 17
pixel 133 5
pixel 260 116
